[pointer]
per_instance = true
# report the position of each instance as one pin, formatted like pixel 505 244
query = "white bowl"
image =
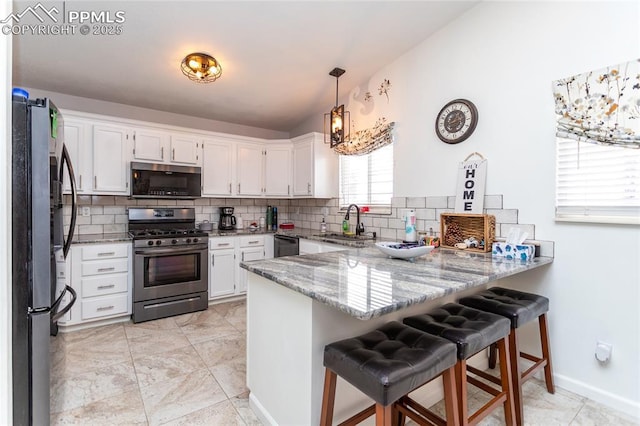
pixel 403 250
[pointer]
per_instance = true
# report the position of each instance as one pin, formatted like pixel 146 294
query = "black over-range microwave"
pixel 152 180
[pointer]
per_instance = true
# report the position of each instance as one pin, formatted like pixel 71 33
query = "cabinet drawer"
pixel 96 252
pixel 252 241
pixel 221 243
pixel 105 267
pixel 102 285
pixel 105 306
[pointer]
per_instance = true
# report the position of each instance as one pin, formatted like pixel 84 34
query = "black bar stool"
pixel 386 364
pixel 520 308
pixel 472 330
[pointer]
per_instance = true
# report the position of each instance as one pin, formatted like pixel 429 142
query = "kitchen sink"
pixel 337 236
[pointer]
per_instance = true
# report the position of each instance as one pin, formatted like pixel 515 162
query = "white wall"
pixel 95 106
pixel 5 224
pixel 503 56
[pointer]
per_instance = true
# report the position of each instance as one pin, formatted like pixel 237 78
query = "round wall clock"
pixel 456 121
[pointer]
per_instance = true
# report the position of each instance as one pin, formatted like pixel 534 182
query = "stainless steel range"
pixel 170 263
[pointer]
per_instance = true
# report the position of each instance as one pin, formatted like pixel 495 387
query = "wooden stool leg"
pixel 506 377
pixel 328 398
pixel 384 414
pixel 461 390
pixel 546 353
pixel 451 401
pixel 492 356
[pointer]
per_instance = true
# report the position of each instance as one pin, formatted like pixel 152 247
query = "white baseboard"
pixel 233 298
pixel 624 405
pixel 260 411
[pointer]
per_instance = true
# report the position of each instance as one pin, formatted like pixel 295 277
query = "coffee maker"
pixel 227 219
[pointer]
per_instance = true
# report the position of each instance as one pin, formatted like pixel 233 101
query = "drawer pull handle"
pixel 254 242
pixel 222 244
pixel 105 308
pixel 108 253
pixel 104 287
pixel 106 269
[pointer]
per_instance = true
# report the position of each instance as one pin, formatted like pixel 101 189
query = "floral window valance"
pixel 365 141
pixel 601 106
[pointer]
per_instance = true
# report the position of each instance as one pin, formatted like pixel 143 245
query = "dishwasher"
pixel 285 245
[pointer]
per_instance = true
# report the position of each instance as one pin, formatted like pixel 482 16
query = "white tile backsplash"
pixel 109 213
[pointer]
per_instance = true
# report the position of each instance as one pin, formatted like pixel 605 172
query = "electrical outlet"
pixel 86 211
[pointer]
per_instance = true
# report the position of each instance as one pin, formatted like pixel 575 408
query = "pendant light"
pixel 334 121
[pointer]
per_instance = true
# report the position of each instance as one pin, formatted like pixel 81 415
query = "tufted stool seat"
pixel 520 308
pixel 386 364
pixel 472 330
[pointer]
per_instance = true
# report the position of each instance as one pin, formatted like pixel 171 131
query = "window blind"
pixel 367 180
pixel 597 183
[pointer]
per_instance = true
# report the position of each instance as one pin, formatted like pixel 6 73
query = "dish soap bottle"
pixel 323 226
pixel 345 226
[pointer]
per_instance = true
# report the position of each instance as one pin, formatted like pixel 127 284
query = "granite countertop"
pixel 365 283
pixel 116 237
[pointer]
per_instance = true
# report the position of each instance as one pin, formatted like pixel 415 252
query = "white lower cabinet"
pixel 226 278
pixel 101 275
pixel 222 266
pixel 268 246
pixel 250 247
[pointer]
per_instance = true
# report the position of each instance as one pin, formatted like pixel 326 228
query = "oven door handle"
pixel 172 250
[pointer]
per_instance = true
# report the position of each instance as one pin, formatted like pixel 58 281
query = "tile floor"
pixel 190 370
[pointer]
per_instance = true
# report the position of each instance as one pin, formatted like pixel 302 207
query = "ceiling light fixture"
pixel 201 68
pixel 335 131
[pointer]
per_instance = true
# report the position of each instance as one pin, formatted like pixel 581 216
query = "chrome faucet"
pixel 359 226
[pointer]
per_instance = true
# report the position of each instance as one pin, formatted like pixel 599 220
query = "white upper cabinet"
pixel 277 170
pixel 101 149
pixel 315 167
pixel 185 148
pixel 150 145
pixel 217 167
pixel 77 139
pixel 110 159
pixel 302 168
pixel 249 166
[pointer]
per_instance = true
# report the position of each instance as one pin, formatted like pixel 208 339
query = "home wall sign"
pixel 472 178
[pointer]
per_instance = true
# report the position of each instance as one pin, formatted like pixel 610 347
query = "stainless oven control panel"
pixel 171 241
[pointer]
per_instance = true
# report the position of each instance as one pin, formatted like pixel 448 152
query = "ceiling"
pixel 275 56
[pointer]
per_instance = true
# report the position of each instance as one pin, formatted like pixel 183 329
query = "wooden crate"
pixel 479 226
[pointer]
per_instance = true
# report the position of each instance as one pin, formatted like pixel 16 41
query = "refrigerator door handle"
pixel 57 315
pixel 74 199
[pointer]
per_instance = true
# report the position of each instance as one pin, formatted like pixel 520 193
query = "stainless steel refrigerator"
pixel 39 247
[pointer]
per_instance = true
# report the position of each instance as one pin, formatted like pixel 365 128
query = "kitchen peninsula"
pixel 296 305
